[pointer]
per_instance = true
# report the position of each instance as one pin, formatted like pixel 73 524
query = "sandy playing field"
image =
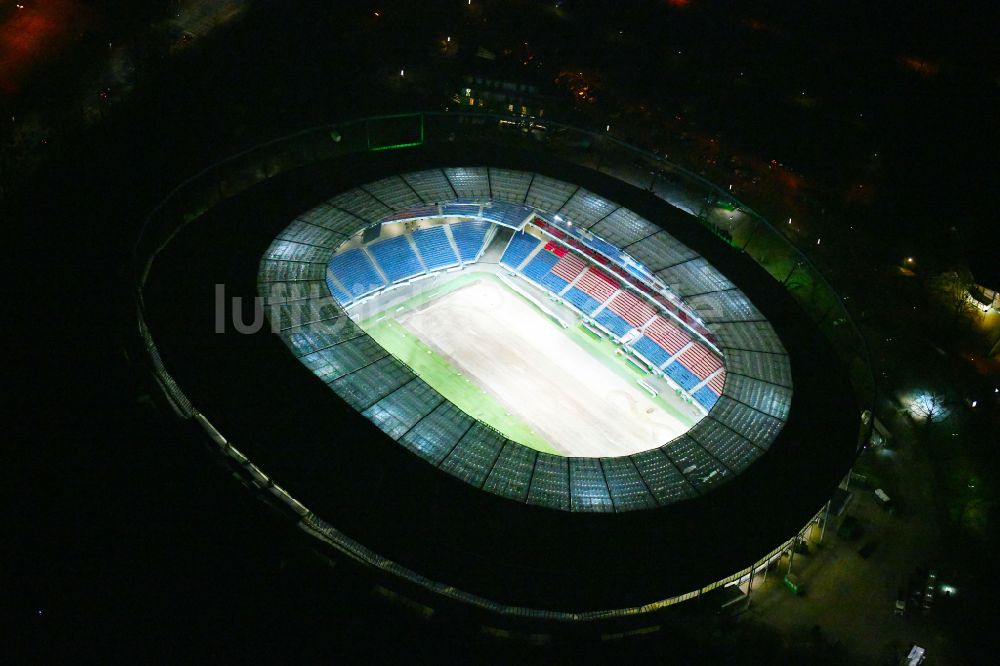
pixel 582 407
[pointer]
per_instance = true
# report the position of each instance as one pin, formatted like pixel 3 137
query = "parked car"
pixel 915 657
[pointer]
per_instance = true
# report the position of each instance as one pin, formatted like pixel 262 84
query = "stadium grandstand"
pixel 658 302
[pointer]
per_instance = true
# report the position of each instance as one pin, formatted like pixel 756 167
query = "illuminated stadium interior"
pixel 315 406
pixel 530 337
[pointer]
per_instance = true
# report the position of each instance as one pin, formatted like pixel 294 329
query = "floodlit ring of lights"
pixel 741 425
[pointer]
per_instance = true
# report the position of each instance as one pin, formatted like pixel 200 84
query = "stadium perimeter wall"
pixel 285 193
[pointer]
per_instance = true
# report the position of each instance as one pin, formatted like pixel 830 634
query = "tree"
pixel 953 290
pixel 930 406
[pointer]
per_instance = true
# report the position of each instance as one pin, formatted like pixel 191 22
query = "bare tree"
pixel 953 289
pixel 930 406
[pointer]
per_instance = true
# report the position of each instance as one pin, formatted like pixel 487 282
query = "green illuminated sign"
pixel 391 132
pixel 395 145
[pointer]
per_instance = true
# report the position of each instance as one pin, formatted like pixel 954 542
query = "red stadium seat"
pixel 569 266
pixel 630 308
pixel 598 285
pixel 667 335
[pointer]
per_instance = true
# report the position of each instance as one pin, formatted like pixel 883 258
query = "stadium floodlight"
pixel 558 218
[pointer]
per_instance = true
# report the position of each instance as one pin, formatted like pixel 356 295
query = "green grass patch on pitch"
pixel 452 384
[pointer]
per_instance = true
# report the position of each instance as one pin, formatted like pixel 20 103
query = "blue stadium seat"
pixel 469 236
pixel 539 270
pixel 507 214
pixel 342 296
pixel 706 397
pixel 651 351
pixel 355 272
pixel 605 248
pixel 541 264
pixel 687 379
pixel 641 274
pixel 583 302
pixel 521 245
pixel 396 258
pixel 612 322
pixel 434 247
pixel 553 282
pixel 460 209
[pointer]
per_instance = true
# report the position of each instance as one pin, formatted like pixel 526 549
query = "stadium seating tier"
pixel 396 258
pixel 434 247
pixel 469 237
pixel 354 270
pixel 518 249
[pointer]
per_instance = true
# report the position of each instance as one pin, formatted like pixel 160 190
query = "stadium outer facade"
pixel 354 490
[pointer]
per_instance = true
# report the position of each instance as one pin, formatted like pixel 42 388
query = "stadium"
pixel 541 375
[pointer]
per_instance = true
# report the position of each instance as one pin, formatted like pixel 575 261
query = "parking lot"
pixel 848 599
